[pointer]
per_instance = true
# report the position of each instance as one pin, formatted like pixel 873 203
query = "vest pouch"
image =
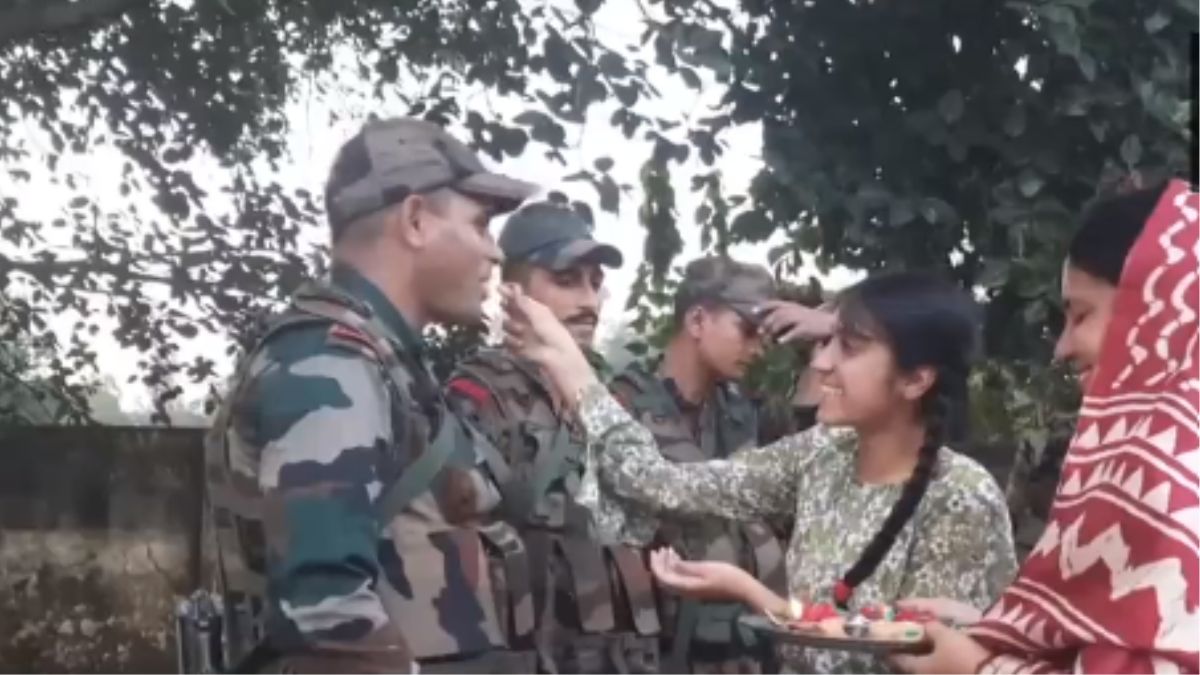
pixel 717 622
pixel 445 604
pixel 633 591
pixel 509 566
pixel 524 502
pixel 590 583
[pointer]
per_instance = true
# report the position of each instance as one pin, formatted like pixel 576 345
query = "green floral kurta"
pixel 957 545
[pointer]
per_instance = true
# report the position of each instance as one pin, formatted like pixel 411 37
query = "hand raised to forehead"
pixel 788 321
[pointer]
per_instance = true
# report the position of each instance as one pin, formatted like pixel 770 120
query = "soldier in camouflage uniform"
pixel 691 403
pixel 354 512
pixel 595 604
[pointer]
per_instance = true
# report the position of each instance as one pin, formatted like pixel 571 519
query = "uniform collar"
pixel 360 288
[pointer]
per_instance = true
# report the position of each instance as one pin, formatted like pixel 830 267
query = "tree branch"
pixel 28 19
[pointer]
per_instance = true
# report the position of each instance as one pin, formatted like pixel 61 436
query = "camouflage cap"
pixel 389 159
pixel 742 287
pixel 554 237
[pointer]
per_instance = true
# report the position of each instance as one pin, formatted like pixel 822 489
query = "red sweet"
pixel 914 615
pixel 819 612
pixel 842 592
pixel 873 612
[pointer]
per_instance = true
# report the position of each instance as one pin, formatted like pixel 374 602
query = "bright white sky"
pixel 314 141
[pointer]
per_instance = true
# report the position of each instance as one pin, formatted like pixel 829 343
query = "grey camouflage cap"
pixel 742 287
pixel 554 237
pixel 390 159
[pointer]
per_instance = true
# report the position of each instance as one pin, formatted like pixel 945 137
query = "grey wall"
pixel 99 532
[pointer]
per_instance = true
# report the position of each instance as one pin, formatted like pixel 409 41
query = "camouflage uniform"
pixel 594 604
pixel 706 638
pixel 353 512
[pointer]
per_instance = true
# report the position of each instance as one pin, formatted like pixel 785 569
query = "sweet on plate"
pixel 873 622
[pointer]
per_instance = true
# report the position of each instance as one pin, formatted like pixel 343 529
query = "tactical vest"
pixel 408 510
pixel 613 608
pixel 727 424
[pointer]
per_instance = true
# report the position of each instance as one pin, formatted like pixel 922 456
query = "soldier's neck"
pixel 682 364
pixel 391 279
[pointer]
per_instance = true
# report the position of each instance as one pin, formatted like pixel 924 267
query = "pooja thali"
pixel 875 630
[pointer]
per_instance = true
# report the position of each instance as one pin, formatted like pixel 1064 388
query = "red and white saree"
pixel 1112 584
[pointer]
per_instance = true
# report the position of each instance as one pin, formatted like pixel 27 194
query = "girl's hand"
pixel 945 609
pixel 953 652
pixel 787 321
pixel 710 580
pixel 532 331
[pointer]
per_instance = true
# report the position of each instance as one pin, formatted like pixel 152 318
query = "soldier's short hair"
pixel 720 281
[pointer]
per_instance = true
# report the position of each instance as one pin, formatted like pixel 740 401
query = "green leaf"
pixel 1131 150
pixel 995 273
pixel 901 212
pixel 512 141
pixel 1029 183
pixel 613 65
pixel 610 194
pixel 937 210
pixel 951 106
pixel 690 78
pixel 1157 21
pixel 873 195
pixel 1014 122
pixel 752 225
pixel 1087 66
pixel 543 128
pixel 559 57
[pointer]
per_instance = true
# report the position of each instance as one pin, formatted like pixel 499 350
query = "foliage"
pixel 28 396
pixel 968 141
pixel 191 100
pixel 963 135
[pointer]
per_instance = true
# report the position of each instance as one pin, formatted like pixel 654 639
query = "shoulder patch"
pixel 341 335
pixel 474 391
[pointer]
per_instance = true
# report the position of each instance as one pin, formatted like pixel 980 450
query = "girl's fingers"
pixel 792 334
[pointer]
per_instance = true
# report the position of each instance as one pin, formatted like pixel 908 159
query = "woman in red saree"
pixel 1112 584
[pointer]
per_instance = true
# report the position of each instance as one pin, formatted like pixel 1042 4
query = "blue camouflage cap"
pixel 390 159
pixel 553 237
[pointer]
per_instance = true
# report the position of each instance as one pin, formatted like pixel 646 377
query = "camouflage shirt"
pixel 957 545
pixel 318 433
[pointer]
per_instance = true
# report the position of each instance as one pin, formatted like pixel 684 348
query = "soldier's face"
pixel 458 258
pixel 728 343
pixel 574 294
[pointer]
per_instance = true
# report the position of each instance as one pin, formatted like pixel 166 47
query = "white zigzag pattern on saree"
pixel 1177 626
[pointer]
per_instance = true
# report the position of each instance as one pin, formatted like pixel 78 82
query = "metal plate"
pixel 761 624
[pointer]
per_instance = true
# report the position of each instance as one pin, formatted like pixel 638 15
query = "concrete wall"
pixel 99 532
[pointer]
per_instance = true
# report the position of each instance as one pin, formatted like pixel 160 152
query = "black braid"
pixel 910 497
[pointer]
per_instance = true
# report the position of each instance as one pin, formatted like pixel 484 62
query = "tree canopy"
pixel 957 134
pixel 191 100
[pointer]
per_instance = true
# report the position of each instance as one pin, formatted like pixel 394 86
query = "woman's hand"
pixel 953 652
pixel 945 609
pixel 532 331
pixel 787 321
pixel 710 580
pixel 705 579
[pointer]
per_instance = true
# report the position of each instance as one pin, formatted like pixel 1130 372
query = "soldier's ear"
pixel 693 321
pixel 405 222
